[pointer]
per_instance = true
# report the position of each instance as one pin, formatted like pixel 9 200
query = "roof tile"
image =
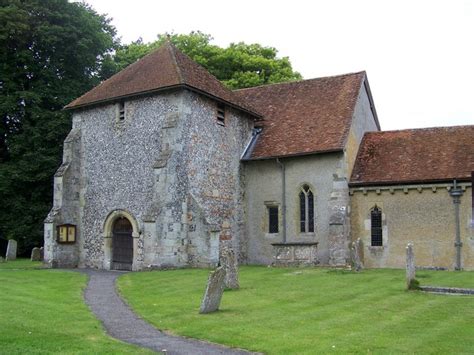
pixel 415 155
pixel 304 117
pixel 167 67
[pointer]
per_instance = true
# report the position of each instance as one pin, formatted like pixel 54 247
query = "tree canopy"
pixel 51 51
pixel 239 65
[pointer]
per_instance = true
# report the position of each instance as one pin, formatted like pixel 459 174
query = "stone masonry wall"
pixel 263 189
pixel 418 214
pixel 214 170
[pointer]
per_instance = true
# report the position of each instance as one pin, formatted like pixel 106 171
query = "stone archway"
pixel 122 228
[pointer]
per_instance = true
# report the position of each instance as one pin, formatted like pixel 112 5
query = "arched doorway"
pixel 122 244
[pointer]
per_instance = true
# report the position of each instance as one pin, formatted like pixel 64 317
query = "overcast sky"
pixel 419 55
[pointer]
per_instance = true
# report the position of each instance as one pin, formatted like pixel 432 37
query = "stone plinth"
pixel 229 262
pixel 295 254
pixel 356 255
pixel 11 250
pixel 214 290
pixel 411 271
pixel 36 254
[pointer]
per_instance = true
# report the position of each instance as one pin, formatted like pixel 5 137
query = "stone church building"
pixel 164 166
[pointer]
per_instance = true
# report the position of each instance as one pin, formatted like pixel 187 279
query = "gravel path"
pixel 122 323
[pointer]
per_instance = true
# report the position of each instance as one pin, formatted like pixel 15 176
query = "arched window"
pixel 376 227
pixel 306 210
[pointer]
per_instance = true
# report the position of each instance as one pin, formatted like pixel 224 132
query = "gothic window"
pixel 306 210
pixel 220 114
pixel 272 219
pixel 376 227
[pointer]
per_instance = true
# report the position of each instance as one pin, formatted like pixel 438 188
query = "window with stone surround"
pixel 376 239
pixel 220 114
pixel 306 198
pixel 272 219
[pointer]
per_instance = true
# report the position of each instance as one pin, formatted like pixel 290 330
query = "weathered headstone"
pixel 356 255
pixel 411 272
pixel 35 254
pixel 214 290
pixel 42 253
pixel 1 259
pixel 11 250
pixel 229 262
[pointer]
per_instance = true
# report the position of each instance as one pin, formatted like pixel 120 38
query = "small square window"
pixel 220 114
pixel 272 219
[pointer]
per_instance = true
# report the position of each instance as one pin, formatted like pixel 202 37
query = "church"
pixel 164 167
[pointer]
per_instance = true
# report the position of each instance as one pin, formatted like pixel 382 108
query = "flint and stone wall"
pixel 168 166
pixel 420 214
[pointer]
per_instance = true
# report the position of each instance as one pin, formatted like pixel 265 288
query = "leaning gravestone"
pixel 11 250
pixel 411 271
pixel 214 290
pixel 229 262
pixel 35 254
pixel 356 251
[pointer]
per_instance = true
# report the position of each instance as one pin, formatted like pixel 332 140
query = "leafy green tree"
pixel 51 51
pixel 239 65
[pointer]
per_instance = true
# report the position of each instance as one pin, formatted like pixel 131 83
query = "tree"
pixel 51 51
pixel 239 65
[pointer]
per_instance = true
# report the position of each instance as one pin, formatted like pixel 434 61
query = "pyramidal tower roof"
pixel 163 69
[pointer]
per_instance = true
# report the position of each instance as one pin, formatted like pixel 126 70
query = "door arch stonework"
pixel 108 235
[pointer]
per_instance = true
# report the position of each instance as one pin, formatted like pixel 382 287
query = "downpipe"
pixel 283 198
pixel 456 194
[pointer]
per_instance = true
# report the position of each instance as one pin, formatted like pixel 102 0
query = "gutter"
pixel 283 198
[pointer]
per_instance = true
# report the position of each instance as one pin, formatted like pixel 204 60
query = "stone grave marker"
pixel 35 254
pixel 42 253
pixel 11 250
pixel 411 271
pixel 214 290
pixel 356 253
pixel 229 262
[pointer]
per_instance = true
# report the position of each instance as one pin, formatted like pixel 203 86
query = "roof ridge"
pixel 302 80
pixel 172 48
pixel 421 129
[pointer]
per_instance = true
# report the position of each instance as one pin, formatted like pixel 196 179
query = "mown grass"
pixel 43 312
pixel 308 311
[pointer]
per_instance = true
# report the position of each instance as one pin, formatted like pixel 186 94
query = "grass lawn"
pixel 43 312
pixel 281 311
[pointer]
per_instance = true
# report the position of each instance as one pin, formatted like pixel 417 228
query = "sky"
pixel 418 55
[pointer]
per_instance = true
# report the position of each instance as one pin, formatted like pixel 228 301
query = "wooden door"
pixel 122 244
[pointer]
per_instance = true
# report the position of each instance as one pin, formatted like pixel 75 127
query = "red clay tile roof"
pixel 165 68
pixel 304 117
pixel 414 156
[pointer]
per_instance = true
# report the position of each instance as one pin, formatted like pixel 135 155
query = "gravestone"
pixel 36 254
pixel 1 259
pixel 42 253
pixel 214 290
pixel 411 272
pixel 356 253
pixel 229 262
pixel 11 250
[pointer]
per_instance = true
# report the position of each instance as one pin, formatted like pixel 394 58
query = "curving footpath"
pixel 122 323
